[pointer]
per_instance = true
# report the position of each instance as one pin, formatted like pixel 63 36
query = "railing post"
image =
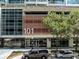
pixel 47 2
pixel 66 2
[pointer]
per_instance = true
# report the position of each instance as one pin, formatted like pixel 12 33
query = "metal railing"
pixel 45 2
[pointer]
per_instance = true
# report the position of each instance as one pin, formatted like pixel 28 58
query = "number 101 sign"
pixel 29 30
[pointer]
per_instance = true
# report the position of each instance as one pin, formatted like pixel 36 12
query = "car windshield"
pixel 61 52
pixel 68 53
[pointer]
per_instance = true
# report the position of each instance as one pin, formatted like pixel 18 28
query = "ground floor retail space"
pixel 35 42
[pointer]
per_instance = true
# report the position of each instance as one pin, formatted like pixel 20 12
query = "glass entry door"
pixel 38 43
pixel 34 43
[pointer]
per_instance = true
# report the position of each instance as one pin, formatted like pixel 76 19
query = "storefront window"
pixel 59 42
pixel 23 43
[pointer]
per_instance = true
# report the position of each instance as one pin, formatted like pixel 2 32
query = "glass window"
pixel 68 53
pixel 1 1
pixel 33 52
pixel 12 21
pixel 73 1
pixel 16 1
pixel 43 51
pixel 32 0
pixel 41 0
pixel 56 1
pixel 62 42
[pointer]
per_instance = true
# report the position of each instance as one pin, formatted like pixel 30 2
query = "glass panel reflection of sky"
pixel 2 0
pixel 56 1
pixel 73 1
pixel 16 1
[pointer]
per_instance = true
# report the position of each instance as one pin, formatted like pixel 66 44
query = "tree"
pixel 75 16
pixel 61 24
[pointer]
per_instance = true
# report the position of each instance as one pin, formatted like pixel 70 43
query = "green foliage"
pixel 75 20
pixel 62 24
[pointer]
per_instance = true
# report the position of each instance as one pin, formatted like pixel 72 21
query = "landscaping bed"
pixel 15 54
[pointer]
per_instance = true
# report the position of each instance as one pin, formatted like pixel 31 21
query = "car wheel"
pixel 72 57
pixel 61 57
pixel 56 56
pixel 23 57
pixel 43 57
pixel 27 57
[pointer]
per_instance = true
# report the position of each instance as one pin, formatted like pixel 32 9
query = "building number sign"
pixel 28 30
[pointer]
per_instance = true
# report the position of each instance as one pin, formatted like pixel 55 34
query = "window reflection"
pixel 56 1
pixel 73 1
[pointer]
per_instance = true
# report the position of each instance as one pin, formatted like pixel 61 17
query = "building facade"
pixel 21 23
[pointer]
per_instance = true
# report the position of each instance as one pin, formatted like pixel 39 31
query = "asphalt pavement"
pixel 19 57
pixel 5 52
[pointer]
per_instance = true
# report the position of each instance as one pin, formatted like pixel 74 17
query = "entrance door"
pixel 34 43
pixel 38 42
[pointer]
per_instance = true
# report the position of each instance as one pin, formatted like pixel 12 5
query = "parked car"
pixel 65 53
pixel 40 53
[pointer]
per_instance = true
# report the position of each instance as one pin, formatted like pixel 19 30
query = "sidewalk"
pixel 18 57
pixel 5 53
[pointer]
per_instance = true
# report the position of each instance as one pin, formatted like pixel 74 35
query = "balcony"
pixel 36 2
pixel 46 2
pixel 30 2
pixel 15 1
pixel 42 2
pixel 56 2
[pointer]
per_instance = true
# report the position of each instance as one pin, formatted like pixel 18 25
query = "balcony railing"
pixel 36 2
pixel 56 1
pixel 46 2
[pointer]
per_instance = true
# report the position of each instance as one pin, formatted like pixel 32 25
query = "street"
pixel 19 57
pixel 5 52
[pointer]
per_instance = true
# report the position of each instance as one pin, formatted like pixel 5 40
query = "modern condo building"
pixel 21 23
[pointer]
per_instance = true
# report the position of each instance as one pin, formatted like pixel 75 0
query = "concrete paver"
pixel 5 53
pixel 18 57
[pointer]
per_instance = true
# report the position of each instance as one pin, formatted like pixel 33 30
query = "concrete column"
pixel 28 43
pixel 70 42
pixel 2 43
pixel 25 43
pixel 48 43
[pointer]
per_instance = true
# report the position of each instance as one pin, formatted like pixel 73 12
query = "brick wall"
pixel 33 23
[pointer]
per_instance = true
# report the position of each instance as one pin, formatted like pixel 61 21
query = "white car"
pixel 65 53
